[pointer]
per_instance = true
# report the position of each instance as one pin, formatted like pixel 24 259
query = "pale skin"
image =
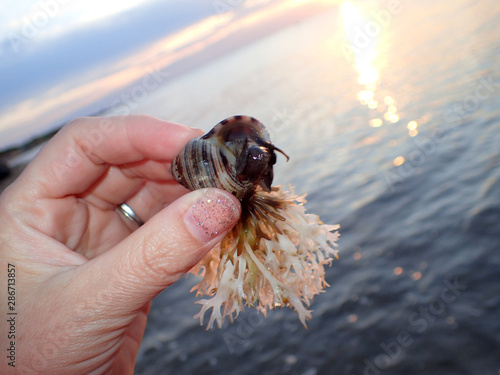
pixel 85 275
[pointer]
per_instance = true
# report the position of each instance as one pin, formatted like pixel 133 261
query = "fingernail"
pixel 212 214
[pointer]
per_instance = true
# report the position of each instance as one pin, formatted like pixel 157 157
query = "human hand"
pixel 84 274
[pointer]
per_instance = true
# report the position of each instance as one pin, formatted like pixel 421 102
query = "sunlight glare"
pixel 372 104
pixel 350 14
pixel 363 51
pixel 363 55
pixel 388 100
pixel 368 73
pixel 399 161
pixel 365 96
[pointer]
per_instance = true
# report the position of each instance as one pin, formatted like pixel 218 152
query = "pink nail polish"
pixel 213 213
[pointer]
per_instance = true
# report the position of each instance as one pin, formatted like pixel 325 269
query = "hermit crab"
pixel 276 254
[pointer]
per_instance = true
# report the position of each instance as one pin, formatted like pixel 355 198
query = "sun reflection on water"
pixel 364 35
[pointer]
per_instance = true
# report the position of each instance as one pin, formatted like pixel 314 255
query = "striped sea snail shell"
pixel 236 155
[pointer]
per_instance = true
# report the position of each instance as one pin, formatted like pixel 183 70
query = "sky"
pixel 48 40
pixel 60 59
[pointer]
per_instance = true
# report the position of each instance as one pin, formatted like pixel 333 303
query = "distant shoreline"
pixel 15 151
pixel 13 175
pixel 270 23
pixel 14 159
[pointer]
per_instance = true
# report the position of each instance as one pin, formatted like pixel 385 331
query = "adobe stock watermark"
pixel 224 6
pixel 424 149
pixel 242 328
pixel 280 121
pixel 365 35
pixel 456 113
pixel 420 321
pixel 75 154
pixel 31 25
pixel 139 92
pixel 484 89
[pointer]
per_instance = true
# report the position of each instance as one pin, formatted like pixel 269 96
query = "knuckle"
pixel 159 259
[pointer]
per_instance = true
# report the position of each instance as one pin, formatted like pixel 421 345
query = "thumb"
pixel 163 249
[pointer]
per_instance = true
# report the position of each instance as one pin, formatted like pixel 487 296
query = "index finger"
pixel 83 150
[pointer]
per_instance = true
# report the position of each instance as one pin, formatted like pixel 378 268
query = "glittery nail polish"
pixel 212 213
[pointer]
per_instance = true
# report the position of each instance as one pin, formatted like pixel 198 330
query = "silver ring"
pixel 130 214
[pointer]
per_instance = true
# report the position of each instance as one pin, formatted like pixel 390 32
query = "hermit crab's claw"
pixel 266 179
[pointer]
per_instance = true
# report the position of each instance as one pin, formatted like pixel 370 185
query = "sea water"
pixel 398 141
